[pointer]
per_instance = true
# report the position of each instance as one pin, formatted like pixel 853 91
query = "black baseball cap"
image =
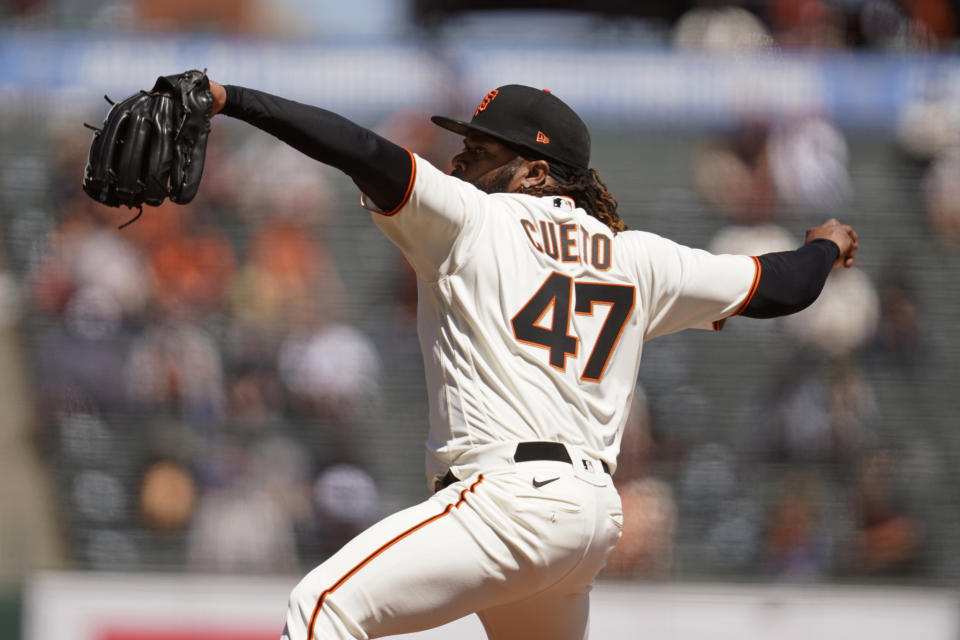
pixel 534 123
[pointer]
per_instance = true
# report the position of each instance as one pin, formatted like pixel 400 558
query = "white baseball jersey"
pixel 533 314
pixel 532 317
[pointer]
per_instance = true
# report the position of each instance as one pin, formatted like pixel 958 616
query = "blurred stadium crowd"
pixel 235 385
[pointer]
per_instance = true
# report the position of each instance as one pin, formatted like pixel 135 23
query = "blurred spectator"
pixel 168 495
pixel 842 320
pixel 938 18
pixel 733 174
pixel 646 546
pixel 889 540
pixel 752 240
pixel 799 162
pixel 86 255
pixel 941 191
pixel 175 369
pixel 247 521
pixel 85 439
pixel 808 163
pixel 818 412
pixel 202 15
pixel 709 477
pixel 331 18
pixel 331 371
pixel 280 464
pixel 241 529
pixel 884 24
pixel 808 24
pixel 254 396
pixel 23 7
pixel 11 304
pixel 111 550
pixel 637 445
pixel 397 339
pixel 254 399
pixel 80 373
pixel 223 172
pixel 668 368
pixel 192 271
pixel 853 408
pixel 347 501
pixel 679 413
pixel 272 180
pixel 70 147
pixel 723 28
pixel 89 282
pixel 731 540
pixel 724 521
pixel 900 334
pixel 797 545
pixel 287 278
pixel 929 124
pixel 99 495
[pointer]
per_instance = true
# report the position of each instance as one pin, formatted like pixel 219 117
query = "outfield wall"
pixel 103 606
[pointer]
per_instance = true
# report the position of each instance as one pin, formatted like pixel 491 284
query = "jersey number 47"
pixel 556 293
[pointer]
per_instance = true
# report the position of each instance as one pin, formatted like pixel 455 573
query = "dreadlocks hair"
pixel 589 193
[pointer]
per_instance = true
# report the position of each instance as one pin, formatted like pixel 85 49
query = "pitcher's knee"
pixel 303 598
pixel 313 611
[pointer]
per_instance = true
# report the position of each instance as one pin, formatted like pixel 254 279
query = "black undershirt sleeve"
pixel 791 280
pixel 381 169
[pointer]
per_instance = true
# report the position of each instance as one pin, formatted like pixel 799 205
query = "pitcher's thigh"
pixel 416 569
pixel 554 615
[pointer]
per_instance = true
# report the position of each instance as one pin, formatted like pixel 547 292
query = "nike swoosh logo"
pixel 540 484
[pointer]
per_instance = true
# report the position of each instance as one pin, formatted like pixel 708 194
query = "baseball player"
pixel 534 305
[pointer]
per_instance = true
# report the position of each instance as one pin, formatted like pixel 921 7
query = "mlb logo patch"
pixel 588 465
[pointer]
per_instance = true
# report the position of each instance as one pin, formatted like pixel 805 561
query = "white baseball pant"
pixel 522 556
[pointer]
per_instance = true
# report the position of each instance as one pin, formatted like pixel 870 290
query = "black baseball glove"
pixel 152 145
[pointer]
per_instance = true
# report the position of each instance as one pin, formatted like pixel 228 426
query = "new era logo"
pixel 542 138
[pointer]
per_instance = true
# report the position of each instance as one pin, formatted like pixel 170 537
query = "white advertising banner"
pixel 97 606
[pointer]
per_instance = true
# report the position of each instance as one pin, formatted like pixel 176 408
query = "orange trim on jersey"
pixel 406 195
pixel 339 583
pixel 753 288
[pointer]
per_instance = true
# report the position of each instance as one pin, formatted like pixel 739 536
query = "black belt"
pixel 527 452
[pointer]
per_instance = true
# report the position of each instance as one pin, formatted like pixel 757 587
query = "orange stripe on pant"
pixel 339 583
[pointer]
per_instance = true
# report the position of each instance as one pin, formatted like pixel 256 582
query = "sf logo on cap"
pixel 487 99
